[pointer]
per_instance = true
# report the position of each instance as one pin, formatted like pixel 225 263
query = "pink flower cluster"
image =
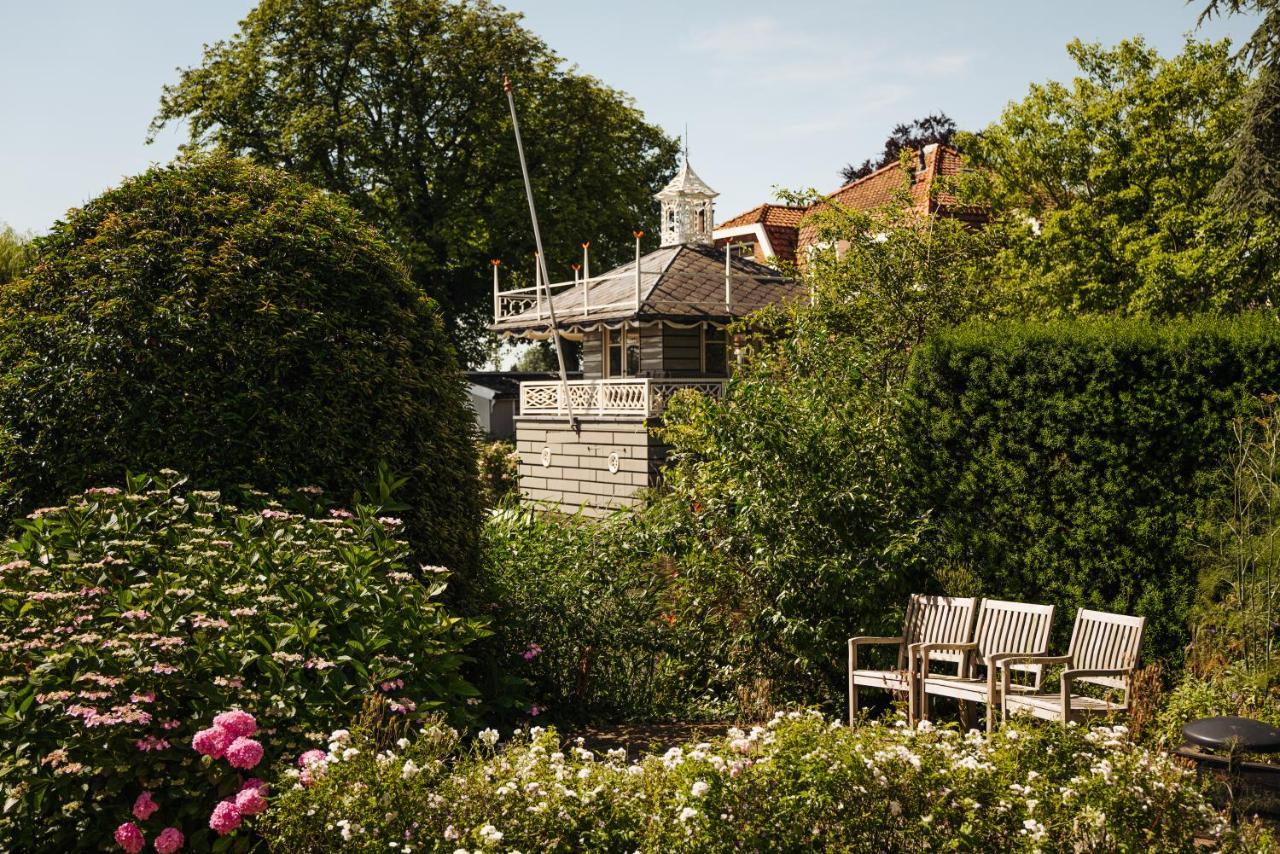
pixel 312 764
pixel 532 652
pixel 131 838
pixel 229 738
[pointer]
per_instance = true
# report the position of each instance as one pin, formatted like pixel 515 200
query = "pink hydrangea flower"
pixel 237 723
pixel 212 741
pixel 311 757
pixel 144 807
pixel 225 817
pixel 255 783
pixel 129 837
pixel 250 801
pixel 169 841
pixel 244 753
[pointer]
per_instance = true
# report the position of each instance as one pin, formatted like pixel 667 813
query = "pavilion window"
pixel 715 352
pixel 622 352
pixel 613 352
pixel 631 349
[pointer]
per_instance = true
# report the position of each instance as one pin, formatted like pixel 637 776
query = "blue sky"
pixel 774 94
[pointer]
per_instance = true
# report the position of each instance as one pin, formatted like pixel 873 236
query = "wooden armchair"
pixel 1004 630
pixel 930 619
pixel 1103 651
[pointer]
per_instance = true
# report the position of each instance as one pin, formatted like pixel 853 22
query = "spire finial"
pixel 686 143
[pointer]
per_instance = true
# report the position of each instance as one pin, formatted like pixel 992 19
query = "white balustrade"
pixel 635 397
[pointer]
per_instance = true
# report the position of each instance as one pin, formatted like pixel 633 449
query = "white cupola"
pixel 688 212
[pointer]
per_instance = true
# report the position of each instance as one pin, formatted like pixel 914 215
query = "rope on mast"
pixel 542 259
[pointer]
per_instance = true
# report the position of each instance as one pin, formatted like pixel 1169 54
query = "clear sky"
pixel 774 94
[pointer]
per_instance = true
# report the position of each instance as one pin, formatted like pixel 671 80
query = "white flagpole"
pixel 542 259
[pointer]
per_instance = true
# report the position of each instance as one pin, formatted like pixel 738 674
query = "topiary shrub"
pixel 237 324
pixel 1067 462
pixel 131 619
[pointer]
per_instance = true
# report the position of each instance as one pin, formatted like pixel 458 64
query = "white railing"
pixel 636 397
pixel 573 299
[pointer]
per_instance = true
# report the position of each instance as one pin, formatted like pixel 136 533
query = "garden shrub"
pixel 132 618
pixel 1229 692
pixel 499 466
pixel 1066 462
pixel 799 784
pixel 232 322
pixel 582 617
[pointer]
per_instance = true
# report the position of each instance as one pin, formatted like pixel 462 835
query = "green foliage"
pixel 133 617
pixel 578 611
pixel 1235 618
pixel 235 323
pixel 400 106
pixel 499 466
pixel 799 784
pixel 14 254
pixel 1066 462
pixel 1103 189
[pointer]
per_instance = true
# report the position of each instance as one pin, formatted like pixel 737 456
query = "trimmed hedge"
pixel 1066 462
pixel 237 324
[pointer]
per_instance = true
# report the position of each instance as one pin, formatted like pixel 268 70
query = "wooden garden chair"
pixel 1103 652
pixel 930 619
pixel 1004 630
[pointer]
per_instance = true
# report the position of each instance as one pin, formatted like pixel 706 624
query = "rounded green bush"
pixel 237 324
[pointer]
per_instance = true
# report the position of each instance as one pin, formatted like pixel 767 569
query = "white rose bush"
pixel 800 783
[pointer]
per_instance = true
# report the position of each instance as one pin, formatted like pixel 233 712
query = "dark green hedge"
pixel 1065 462
pixel 232 322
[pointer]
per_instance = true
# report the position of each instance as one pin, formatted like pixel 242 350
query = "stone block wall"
pixel 573 468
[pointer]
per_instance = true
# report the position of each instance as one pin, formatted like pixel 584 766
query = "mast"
pixel 542 259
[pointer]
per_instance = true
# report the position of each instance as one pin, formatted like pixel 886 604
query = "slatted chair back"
pixel 938 619
pixel 1012 627
pixel 1103 641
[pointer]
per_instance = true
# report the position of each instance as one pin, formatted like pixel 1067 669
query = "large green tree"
pixel 399 104
pixel 1104 188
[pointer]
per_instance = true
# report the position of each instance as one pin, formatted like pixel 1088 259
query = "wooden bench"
pixel 929 619
pixel 1004 630
pixel 1103 651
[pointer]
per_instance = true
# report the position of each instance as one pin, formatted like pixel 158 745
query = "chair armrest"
pixel 868 640
pixel 1083 674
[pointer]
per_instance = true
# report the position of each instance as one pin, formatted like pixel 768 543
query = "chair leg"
pixel 991 714
pixel 853 686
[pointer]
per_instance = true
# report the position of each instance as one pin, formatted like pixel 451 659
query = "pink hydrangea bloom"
pixel 144 807
pixel 169 841
pixel 311 757
pixel 225 817
pixel 129 837
pixel 237 723
pixel 212 741
pixel 250 802
pixel 244 753
pixel 255 783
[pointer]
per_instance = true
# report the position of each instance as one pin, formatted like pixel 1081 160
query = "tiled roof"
pixel 881 187
pixel 683 282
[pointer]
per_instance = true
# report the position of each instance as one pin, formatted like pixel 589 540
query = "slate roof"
pixel 679 283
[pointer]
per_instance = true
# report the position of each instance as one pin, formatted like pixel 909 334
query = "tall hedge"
pixel 232 322
pixel 1066 462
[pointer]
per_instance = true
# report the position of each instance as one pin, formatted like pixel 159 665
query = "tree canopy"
pixel 915 134
pixel 1103 189
pixel 399 104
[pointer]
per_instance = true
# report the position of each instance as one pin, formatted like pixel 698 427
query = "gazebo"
pixel 648 329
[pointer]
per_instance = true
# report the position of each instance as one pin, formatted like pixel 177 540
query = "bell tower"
pixel 688 209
